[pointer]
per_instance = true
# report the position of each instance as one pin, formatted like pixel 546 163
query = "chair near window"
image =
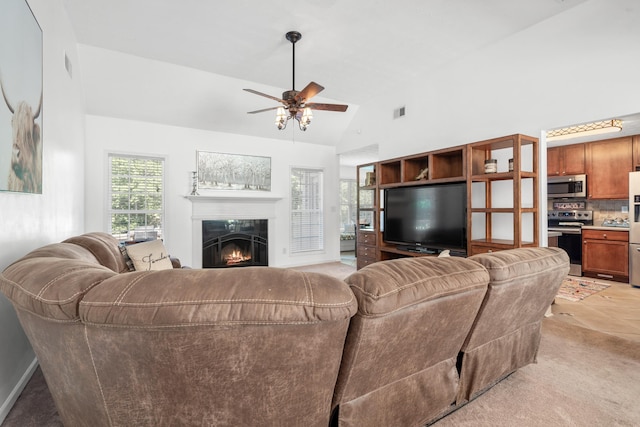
pixel 143 234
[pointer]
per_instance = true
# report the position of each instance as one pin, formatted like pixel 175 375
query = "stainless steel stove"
pixel 569 223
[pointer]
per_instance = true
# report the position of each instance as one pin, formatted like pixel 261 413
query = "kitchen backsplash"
pixel 608 209
pixel 604 209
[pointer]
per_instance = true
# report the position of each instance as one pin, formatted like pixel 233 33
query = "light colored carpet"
pixel 582 378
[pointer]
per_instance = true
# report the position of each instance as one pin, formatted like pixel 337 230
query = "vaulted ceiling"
pixel 366 53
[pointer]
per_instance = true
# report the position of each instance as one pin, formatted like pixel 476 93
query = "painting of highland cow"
pixel 21 103
pixel 220 171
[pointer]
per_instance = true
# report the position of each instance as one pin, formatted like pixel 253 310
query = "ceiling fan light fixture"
pixel 281 118
pixel 305 120
pixel 296 103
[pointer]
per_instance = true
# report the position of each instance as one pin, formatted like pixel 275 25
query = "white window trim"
pixel 292 250
pixel 107 196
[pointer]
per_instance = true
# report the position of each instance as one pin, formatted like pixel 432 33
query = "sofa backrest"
pixel 220 347
pixel 399 363
pixel 104 247
pixel 506 334
pixel 50 281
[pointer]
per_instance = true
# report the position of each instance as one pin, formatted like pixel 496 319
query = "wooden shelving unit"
pixel 368 215
pixel 426 168
pixel 490 213
pixel 485 213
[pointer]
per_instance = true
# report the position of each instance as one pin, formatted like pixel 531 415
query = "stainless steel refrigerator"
pixel 634 228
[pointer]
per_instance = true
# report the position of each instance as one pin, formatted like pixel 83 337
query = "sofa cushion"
pixel 523 284
pixel 506 334
pixel 104 247
pixel 387 286
pixel 62 250
pixel 399 361
pixel 247 295
pixel 49 286
pixel 148 256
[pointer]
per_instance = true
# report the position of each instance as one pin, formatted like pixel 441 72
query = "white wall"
pixel 179 146
pixel 348 172
pixel 28 221
pixel 579 66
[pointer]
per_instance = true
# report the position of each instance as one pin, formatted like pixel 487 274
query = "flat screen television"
pixel 427 218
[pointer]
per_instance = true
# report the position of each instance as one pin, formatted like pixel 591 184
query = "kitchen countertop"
pixel 604 227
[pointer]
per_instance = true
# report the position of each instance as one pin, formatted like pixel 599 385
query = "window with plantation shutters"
pixel 136 197
pixel 307 227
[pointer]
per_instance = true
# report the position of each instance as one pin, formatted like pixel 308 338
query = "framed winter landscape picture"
pixel 221 171
pixel 21 104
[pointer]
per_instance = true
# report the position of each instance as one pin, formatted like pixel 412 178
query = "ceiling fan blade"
pixel 265 95
pixel 311 90
pixel 263 110
pixel 328 107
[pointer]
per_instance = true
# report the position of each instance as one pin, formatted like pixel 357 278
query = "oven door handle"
pixel 575 232
pixel 566 230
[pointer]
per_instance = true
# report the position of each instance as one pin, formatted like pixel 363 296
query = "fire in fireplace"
pixel 234 243
pixel 233 254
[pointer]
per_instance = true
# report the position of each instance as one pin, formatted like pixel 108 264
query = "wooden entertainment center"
pixel 502 206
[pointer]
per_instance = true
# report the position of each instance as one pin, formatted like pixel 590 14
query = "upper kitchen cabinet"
pixel 608 165
pixel 566 160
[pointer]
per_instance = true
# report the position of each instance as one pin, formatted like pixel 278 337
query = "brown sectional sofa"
pixel 399 342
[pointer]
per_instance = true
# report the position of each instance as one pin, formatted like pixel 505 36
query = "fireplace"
pixel 234 243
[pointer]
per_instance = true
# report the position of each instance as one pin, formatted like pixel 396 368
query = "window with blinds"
pixel 307 216
pixel 348 205
pixel 136 197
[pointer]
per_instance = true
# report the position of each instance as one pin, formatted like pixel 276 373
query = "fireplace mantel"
pixel 216 205
pixel 234 196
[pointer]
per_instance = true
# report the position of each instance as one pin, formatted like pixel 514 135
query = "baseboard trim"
pixel 15 393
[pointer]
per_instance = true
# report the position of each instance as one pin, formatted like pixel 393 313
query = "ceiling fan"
pixel 295 102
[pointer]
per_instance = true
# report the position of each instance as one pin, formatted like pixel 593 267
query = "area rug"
pixel 577 289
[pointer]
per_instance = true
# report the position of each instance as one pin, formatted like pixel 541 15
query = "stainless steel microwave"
pixel 574 186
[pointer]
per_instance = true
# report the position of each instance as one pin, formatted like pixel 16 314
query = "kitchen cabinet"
pixel 608 165
pixel 605 254
pixel 566 160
